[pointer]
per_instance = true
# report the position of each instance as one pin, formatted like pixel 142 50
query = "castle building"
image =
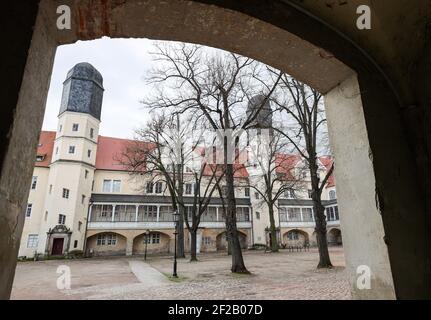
pixel 83 200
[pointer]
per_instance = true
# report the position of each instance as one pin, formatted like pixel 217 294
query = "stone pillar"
pixel 360 219
pixel 28 73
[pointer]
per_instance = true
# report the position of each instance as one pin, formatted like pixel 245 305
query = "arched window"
pixel 332 195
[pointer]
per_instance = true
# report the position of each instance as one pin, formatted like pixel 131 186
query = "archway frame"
pixel 366 97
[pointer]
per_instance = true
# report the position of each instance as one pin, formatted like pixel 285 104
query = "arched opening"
pixel 106 244
pixel 156 243
pixel 334 237
pixel 246 34
pixel 296 238
pixel 222 244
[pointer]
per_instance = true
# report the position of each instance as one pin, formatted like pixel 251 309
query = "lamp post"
pixel 176 216
pixel 147 238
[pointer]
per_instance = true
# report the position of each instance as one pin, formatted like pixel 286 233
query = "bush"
pixel 76 254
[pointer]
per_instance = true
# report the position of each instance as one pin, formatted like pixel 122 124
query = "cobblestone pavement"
pixel 284 275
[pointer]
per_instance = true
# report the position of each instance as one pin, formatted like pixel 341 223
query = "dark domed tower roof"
pixel 83 90
pixel 264 118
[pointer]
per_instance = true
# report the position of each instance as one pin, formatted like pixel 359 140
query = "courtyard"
pixel 284 275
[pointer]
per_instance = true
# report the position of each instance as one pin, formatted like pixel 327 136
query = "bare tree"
pixel 272 171
pixel 307 127
pixel 158 153
pixel 213 88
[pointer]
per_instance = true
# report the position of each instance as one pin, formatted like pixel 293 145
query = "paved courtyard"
pixel 284 275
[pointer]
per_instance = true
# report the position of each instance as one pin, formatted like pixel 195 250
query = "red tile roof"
pixel 109 151
pixel 45 147
pixel 327 162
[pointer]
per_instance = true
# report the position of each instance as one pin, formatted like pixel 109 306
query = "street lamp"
pixel 147 238
pixel 176 216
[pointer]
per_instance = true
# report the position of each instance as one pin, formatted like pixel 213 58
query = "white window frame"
pixel 158 187
pixel 32 241
pixel 62 219
pixel 66 193
pixel 71 149
pixel 33 183
pixel 29 210
pixel 75 127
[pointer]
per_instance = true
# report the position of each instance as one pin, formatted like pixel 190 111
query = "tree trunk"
pixel 319 215
pixel 273 230
pixel 180 230
pixel 238 265
pixel 193 245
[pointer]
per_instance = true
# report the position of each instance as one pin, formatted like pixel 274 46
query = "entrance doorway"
pixel 57 246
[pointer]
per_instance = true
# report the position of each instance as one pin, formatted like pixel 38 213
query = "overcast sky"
pixel 122 63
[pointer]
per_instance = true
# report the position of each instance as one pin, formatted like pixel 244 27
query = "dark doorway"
pixel 57 246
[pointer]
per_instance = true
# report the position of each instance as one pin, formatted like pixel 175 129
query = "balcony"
pixel 126 216
pixel 303 217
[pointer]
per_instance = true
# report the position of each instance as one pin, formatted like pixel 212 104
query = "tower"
pixel 259 153
pixel 73 162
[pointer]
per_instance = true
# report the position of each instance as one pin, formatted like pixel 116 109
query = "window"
pixel 33 183
pixel 332 213
pixel 56 150
pixel 257 195
pixel 154 238
pixel 159 187
pixel 75 244
pixel 294 214
pixel 257 215
pixel 111 239
pixel 60 128
pixel 247 192
pixel 61 219
pixel 310 194
pixel 111 185
pixel 46 215
pixel 89 153
pixel 289 193
pixel 91 133
pixel 75 127
pixel 66 193
pixel 28 211
pixel 188 169
pixel 101 240
pixel 332 195
pixel 116 185
pixel 293 235
pixel 206 241
pixel 82 199
pixel 189 188
pixel 86 174
pixel 92 185
pixel 307 214
pixel 149 188
pixel 40 158
pixel 50 188
pixel 32 241
pixel 71 149
pixel 79 225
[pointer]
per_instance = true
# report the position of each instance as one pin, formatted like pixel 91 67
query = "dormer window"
pixel 75 127
pixel 40 158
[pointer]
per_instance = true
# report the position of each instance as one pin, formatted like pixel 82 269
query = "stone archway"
pixel 366 112
pixel 335 237
pixel 106 244
pixel 221 241
pixel 296 237
pixel 158 243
